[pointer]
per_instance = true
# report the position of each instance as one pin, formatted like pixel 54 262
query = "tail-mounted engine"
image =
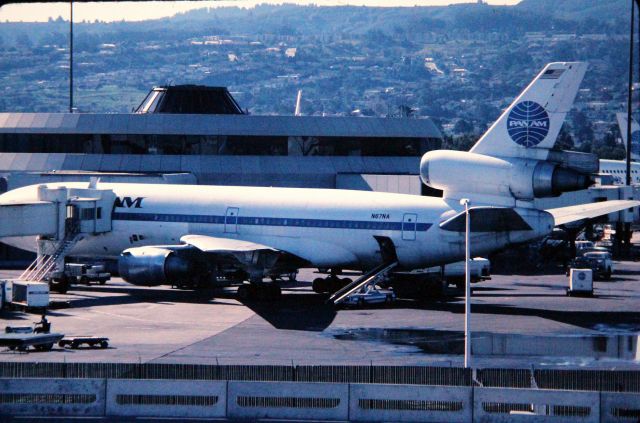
pixel 522 179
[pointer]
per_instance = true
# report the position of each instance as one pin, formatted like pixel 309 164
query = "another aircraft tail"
pixel 635 134
pixel 529 127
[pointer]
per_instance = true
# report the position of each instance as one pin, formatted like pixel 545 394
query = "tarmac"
pixel 517 320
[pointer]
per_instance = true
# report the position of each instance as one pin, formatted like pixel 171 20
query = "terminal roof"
pixel 193 124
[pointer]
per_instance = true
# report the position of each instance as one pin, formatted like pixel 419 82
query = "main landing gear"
pixel 330 284
pixel 259 291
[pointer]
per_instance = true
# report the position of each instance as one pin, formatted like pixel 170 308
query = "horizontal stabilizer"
pixel 563 215
pixel 210 244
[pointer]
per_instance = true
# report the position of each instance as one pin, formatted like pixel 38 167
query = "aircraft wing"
pixel 563 215
pixel 210 244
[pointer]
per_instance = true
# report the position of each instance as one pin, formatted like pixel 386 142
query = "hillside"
pixel 609 10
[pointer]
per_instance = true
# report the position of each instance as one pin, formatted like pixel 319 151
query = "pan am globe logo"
pixel 528 123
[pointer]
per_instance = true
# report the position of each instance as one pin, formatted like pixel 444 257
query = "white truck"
pixel 454 273
pixel 580 282
pixel 83 273
pixel 433 281
pixel 479 270
pixel 29 295
pixel 7 291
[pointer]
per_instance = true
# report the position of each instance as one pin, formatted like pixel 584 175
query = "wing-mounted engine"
pixel 202 258
pixel 151 266
pixel 459 173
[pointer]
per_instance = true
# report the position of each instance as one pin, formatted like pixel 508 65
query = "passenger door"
pixel 231 220
pixel 409 226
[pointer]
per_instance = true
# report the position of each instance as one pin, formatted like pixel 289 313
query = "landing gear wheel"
pixel 319 285
pixel 334 284
pixel 293 276
pixel 607 275
pixel 104 344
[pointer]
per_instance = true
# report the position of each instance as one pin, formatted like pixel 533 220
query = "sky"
pixel 41 12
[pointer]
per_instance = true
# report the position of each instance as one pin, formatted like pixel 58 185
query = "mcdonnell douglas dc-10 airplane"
pixel 186 233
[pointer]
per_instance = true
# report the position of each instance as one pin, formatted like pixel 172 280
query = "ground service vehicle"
pixel 371 294
pixel 600 262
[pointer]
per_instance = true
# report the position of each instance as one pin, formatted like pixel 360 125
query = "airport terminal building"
pixel 203 132
pixel 216 149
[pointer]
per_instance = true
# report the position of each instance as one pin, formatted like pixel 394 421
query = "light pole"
pixel 467 284
pixel 71 56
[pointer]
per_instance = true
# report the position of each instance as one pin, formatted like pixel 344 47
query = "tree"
pixel 608 147
pixel 461 143
pixel 463 127
pixel 23 40
pixel 583 128
pixel 565 140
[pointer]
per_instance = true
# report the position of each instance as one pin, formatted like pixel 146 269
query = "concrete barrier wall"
pixel 619 407
pixel 288 400
pixel 52 397
pixel 534 405
pixel 308 401
pixel 166 398
pixel 410 403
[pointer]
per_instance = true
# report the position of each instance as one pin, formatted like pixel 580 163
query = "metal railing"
pixel 44 264
pixel 583 380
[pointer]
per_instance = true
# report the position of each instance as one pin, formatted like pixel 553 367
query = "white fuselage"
pixel 618 169
pixel 326 227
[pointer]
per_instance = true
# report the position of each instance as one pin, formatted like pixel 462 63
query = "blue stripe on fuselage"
pixel 269 221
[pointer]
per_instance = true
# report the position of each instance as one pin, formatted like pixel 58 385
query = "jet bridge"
pixel 55 210
pixel 59 217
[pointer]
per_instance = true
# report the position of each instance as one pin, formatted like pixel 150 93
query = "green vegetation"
pixel 460 65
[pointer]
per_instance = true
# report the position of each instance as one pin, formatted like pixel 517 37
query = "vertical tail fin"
pixel 529 127
pixel 635 135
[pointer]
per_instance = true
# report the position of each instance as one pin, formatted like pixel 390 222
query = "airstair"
pixel 58 217
pixel 371 277
pixel 45 264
